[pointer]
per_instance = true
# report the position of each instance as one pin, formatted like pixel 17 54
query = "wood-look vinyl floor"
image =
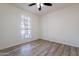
pixel 41 48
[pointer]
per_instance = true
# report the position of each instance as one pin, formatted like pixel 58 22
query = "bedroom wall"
pixel 62 26
pixel 10 19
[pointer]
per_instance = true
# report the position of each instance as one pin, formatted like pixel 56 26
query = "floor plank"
pixel 73 51
pixel 59 51
pixel 77 51
pixel 53 49
pixel 66 51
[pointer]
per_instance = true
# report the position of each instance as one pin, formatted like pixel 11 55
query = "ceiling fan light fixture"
pixel 42 5
pixel 38 5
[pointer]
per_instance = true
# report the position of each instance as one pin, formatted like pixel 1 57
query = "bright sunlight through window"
pixel 25 27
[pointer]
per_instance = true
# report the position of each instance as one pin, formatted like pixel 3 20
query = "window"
pixel 25 27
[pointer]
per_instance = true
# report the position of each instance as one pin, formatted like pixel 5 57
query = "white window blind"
pixel 25 27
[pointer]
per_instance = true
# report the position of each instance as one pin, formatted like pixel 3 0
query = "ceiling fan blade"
pixel 48 4
pixel 32 4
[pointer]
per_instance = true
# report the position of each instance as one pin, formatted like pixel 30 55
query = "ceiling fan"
pixel 40 5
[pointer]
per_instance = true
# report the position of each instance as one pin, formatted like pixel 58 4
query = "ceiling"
pixel 45 9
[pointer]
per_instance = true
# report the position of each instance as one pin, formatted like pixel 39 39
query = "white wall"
pixel 62 26
pixel 10 19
